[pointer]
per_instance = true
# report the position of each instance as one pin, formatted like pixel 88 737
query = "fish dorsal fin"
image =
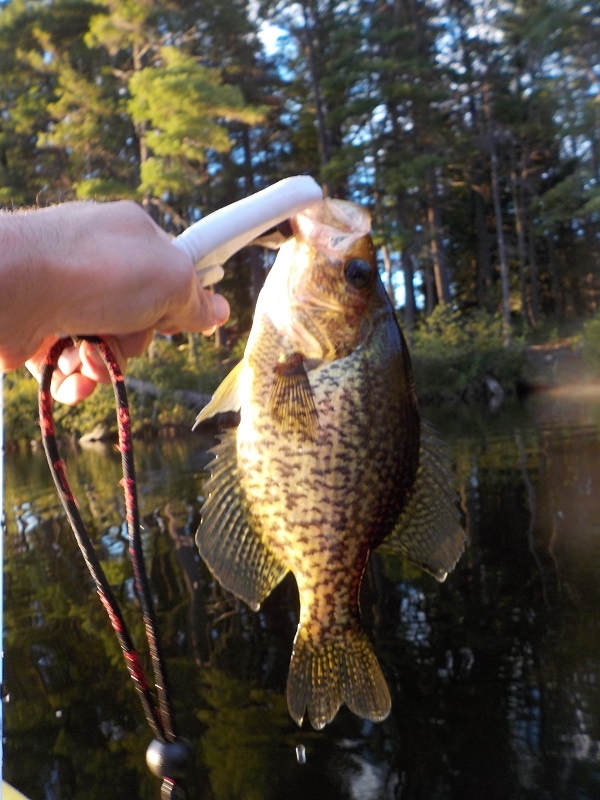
pixel 234 553
pixel 291 401
pixel 429 532
pixel 226 397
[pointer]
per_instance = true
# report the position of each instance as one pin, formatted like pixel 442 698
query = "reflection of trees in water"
pixel 544 533
pixel 493 673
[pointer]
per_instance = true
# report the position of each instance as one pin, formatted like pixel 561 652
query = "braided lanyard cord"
pixel 167 755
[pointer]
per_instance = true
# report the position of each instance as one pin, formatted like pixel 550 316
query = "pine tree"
pixel 30 37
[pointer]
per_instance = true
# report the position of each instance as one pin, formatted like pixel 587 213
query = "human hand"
pixel 93 269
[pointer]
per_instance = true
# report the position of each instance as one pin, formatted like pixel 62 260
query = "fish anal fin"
pixel 234 553
pixel 226 397
pixel 429 532
pixel 291 401
pixel 341 669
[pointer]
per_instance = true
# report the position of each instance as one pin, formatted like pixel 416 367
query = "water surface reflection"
pixel 494 674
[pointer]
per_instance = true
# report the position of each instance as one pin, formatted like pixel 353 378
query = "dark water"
pixel 494 674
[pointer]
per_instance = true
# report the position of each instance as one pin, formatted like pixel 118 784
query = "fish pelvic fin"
pixel 341 669
pixel 429 532
pixel 226 398
pixel 232 550
pixel 291 401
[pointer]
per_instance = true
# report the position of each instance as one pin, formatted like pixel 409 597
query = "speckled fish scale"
pixel 326 465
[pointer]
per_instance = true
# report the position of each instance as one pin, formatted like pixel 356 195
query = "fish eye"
pixel 358 273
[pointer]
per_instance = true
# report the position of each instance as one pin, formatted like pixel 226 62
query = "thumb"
pixel 203 311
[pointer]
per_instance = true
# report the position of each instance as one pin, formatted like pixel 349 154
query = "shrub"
pixel 453 353
pixel 591 343
pixel 20 406
pixel 196 365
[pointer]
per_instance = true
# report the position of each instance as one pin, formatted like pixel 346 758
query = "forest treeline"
pixel 470 128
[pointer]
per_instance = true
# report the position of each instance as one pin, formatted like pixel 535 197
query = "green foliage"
pixel 236 718
pixel 195 366
pixel 84 417
pixel 104 189
pixel 453 353
pixel 20 406
pixel 78 110
pixel 591 343
pixel 163 176
pixel 183 103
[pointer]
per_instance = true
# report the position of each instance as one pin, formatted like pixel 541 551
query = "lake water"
pixel 495 674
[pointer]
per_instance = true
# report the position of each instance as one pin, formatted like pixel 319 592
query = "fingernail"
pixel 220 308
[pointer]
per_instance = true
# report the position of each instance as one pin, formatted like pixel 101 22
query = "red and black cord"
pixel 168 755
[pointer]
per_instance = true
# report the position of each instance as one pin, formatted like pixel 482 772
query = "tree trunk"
pixel 517 197
pixel 324 154
pixel 495 185
pixel 595 144
pixel 409 293
pixel 257 272
pixel 220 338
pixel 438 254
pixel 483 262
pixel 430 295
pixel 534 277
pixel 387 263
pixel 554 279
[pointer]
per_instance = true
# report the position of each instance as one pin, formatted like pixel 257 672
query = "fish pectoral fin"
pixel 291 401
pixel 234 553
pixel 342 669
pixel 226 397
pixel 429 532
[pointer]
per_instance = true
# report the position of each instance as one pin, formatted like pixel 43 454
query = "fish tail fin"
pixel 340 669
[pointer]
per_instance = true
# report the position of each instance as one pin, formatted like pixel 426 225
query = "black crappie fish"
pixel 329 461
